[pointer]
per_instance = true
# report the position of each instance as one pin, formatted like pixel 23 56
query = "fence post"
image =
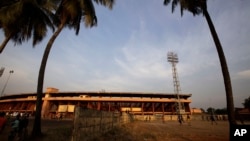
pixel 75 129
pixel 100 129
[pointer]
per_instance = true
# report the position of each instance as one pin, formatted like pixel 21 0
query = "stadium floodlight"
pixel 5 85
pixel 173 59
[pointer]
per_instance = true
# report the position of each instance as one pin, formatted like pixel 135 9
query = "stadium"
pixel 64 103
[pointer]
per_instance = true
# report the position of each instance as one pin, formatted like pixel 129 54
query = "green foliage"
pixel 221 111
pixel 210 110
pixel 196 7
pixel 24 19
pixel 246 103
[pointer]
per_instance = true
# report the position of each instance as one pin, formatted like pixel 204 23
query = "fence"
pixel 160 117
pixel 89 123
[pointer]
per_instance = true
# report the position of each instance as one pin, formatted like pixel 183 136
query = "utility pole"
pixel 5 85
pixel 173 59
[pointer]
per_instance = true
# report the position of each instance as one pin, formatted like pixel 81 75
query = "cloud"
pixel 142 56
pixel 244 74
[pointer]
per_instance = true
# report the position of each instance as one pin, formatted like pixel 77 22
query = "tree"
pixel 246 103
pixel 210 110
pixel 221 111
pixel 21 20
pixel 197 7
pixel 70 13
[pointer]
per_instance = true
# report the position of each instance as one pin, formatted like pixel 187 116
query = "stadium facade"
pixel 55 102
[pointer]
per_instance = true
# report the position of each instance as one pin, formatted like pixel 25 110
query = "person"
pixel 212 119
pixel 180 120
pixel 3 121
pixel 15 123
pixel 23 123
pixel 60 116
pixel 188 119
pixel 14 128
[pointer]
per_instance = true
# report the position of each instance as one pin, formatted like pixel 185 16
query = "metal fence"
pixel 89 123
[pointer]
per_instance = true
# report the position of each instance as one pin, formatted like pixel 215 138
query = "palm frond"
pixel 196 7
pixel 166 2
pixel 89 15
pixel 25 19
pixel 107 3
pixel 174 4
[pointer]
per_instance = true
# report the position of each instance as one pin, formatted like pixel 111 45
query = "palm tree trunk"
pixel 225 72
pixel 6 40
pixel 37 122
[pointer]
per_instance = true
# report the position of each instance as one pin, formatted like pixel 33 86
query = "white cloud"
pixel 244 74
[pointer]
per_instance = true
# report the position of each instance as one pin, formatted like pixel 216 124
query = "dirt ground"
pixel 53 130
pixel 171 131
pixel 60 130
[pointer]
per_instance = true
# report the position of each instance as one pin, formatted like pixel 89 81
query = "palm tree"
pixel 70 13
pixel 197 7
pixel 21 20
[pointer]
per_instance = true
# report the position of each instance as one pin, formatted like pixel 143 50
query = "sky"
pixel 127 52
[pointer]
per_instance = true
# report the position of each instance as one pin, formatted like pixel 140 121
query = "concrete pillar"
pixel 98 106
pixel 142 106
pixel 45 106
pixel 153 108
pixel 162 104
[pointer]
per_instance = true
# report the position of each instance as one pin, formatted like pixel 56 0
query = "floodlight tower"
pixel 11 71
pixel 173 59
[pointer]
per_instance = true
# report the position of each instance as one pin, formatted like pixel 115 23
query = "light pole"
pixel 173 59
pixel 11 71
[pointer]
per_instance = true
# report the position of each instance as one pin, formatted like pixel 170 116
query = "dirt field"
pixel 171 131
pixel 55 130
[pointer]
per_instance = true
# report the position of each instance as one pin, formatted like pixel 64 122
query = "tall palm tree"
pixel 197 7
pixel 23 19
pixel 70 13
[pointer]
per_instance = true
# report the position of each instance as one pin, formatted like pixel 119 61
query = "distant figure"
pixel 212 119
pixel 15 124
pixel 3 121
pixel 60 116
pixel 188 119
pixel 14 128
pixel 180 120
pixel 24 121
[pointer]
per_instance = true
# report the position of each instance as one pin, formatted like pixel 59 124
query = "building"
pixel 197 111
pixel 55 102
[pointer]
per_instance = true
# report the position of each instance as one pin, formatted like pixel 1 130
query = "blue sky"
pixel 127 52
